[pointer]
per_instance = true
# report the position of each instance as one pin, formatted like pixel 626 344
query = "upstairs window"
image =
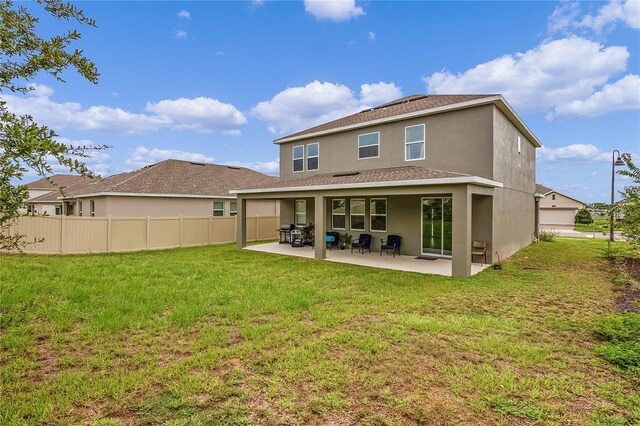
pixel 313 156
pixel 218 208
pixel 338 213
pixel 369 145
pixel 414 142
pixel 298 158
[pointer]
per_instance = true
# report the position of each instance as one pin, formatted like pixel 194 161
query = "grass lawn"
pixel 219 336
pixel 600 224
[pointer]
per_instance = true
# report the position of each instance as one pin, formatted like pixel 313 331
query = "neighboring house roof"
pixel 412 106
pixel 394 176
pixel 172 178
pixel 57 181
pixel 48 198
pixel 541 189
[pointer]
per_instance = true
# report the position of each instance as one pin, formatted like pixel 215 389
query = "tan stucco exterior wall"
pixel 457 141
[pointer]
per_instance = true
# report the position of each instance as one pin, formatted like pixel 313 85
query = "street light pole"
pixel 614 162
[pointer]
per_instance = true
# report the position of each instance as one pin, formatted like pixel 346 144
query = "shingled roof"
pixel 401 106
pixel 541 189
pixel 404 175
pixel 57 181
pixel 173 177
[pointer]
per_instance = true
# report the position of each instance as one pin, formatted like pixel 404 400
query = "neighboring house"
pixel 441 171
pixel 556 210
pixel 39 203
pixel 168 188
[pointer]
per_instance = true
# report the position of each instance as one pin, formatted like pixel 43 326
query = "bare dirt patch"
pixel 628 299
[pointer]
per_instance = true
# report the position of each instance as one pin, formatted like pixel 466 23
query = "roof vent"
pixel 346 174
pixel 234 168
pixel 196 164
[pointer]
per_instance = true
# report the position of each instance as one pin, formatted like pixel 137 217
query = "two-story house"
pixel 441 171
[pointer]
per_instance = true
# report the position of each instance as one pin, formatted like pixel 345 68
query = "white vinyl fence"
pixel 72 234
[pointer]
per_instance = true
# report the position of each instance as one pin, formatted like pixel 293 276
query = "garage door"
pixel 557 217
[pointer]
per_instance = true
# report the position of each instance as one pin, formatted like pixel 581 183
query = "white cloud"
pixel 267 167
pixel 143 156
pixel 97 160
pixel 39 90
pixel 335 10
pixel 567 16
pixel 257 3
pixel 556 72
pixel 371 36
pixel 199 114
pixel 378 93
pixel 627 12
pixel 232 132
pixel 297 108
pixel 574 152
pixel 184 14
pixel 623 95
pixel 181 35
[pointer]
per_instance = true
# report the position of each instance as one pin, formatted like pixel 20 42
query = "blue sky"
pixel 218 81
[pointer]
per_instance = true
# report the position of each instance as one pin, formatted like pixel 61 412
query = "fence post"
pixel 257 228
pixel 210 228
pixel 108 233
pixel 181 230
pixel 62 232
pixel 148 229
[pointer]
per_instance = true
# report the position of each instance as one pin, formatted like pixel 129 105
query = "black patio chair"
pixel 363 243
pixel 392 245
pixel 336 240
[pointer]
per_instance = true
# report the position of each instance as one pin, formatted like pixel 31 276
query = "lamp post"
pixel 614 163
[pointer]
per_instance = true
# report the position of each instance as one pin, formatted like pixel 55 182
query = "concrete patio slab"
pixel 374 260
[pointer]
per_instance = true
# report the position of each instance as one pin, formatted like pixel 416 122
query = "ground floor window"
pixel 233 208
pixel 378 214
pixel 356 214
pixel 218 208
pixel 338 213
pixel 79 208
pixel 58 210
pixel 300 212
pixel 92 208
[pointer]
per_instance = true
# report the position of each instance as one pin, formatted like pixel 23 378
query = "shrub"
pixel 583 217
pixel 547 236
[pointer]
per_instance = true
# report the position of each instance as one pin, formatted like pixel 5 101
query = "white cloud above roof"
pixel 623 95
pixel 184 14
pixel 296 108
pixel 573 152
pixel 267 167
pixel 199 114
pixel 143 156
pixel 551 75
pixel 334 10
pixel 567 17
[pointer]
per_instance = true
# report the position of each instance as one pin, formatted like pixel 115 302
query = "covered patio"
pixel 424 265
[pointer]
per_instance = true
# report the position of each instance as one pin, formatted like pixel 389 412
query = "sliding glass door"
pixel 437 219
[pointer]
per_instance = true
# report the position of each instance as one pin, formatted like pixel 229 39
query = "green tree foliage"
pixel 630 204
pixel 583 217
pixel 25 145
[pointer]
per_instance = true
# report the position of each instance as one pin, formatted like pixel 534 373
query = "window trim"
pixel 339 214
pixel 371 214
pixel 233 212
pixel 214 210
pixel 293 159
pixel 378 145
pixel 364 215
pixel 312 156
pixel 295 214
pixel 423 142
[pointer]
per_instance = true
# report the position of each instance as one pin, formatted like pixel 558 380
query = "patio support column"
pixel 320 214
pixel 461 247
pixel 241 223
